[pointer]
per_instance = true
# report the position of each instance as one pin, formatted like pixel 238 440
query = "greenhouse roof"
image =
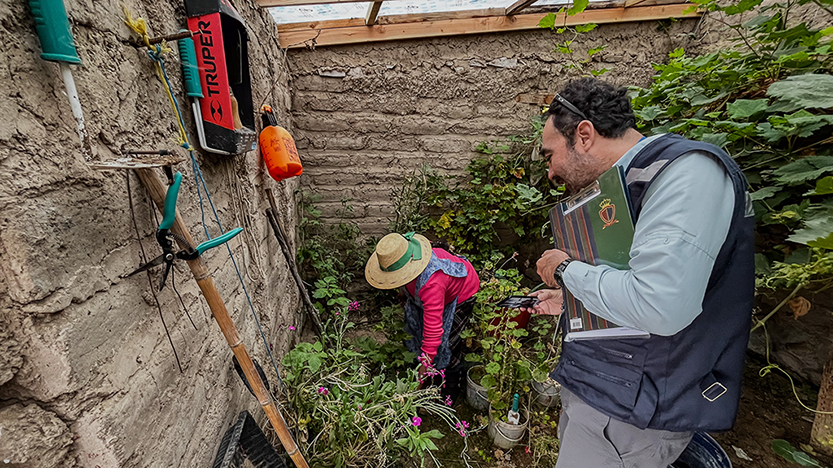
pixel 311 23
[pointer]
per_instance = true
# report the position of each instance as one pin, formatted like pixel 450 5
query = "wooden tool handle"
pixel 218 310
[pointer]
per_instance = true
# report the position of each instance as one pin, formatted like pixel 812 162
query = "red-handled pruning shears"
pixel 166 238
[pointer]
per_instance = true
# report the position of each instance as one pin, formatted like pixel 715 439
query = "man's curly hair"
pixel 606 106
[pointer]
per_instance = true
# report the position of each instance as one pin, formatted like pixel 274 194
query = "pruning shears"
pixel 166 238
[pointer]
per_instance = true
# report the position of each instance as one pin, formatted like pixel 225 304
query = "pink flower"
pixel 461 428
pixel 416 421
pixel 291 328
pixel 448 400
pixel 526 449
pixel 354 306
pixel 323 391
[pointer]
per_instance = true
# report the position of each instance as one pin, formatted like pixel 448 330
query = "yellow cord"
pixel 140 27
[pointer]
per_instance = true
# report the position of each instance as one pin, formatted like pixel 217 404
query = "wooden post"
pixel 218 310
pixel 821 437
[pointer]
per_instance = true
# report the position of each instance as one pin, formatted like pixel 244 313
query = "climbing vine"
pixel 768 101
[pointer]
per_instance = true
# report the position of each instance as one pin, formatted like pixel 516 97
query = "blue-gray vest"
pixel 690 381
pixel 413 310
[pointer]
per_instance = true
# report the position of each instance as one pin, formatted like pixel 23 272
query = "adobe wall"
pixel 87 376
pixel 366 115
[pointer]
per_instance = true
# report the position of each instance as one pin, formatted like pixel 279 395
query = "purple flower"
pixel 461 428
pixel 323 391
pixel 291 328
pixel 416 421
pixel 354 306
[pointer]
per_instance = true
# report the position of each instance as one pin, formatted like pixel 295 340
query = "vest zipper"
pixel 604 376
pixel 621 354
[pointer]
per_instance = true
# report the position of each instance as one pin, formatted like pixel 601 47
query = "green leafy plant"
pixel 392 354
pixel 559 25
pixel 328 289
pixel 349 417
pixel 498 341
pixel 545 346
pixel 786 451
pixel 767 101
pixel 333 250
pixel 505 194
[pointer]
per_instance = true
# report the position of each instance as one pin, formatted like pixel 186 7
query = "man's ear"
pixel 585 135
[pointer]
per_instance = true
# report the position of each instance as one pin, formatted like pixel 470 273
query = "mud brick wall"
pixel 367 115
pixel 87 376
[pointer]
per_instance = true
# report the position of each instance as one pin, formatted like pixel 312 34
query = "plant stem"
pixel 778 307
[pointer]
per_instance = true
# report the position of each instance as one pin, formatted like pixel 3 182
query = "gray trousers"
pixel 590 439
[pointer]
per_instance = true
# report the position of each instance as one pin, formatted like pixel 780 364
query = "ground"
pixel 768 411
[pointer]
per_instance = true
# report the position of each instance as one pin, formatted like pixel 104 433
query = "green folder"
pixel 595 226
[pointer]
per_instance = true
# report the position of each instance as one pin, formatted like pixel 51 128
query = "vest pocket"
pixel 621 391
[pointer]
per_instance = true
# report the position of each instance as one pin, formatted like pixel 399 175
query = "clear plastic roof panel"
pixel 416 7
pixel 337 11
pixel 307 13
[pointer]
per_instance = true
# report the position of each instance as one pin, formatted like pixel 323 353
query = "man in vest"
pixel 637 402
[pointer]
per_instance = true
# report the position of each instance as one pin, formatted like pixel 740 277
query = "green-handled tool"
pixel 513 416
pixel 166 238
pixel 56 40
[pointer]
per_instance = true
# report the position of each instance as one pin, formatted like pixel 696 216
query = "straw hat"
pixel 398 259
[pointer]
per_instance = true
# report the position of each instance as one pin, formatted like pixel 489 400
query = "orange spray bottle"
pixel 278 148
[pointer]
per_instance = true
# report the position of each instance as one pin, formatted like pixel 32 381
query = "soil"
pixel 768 411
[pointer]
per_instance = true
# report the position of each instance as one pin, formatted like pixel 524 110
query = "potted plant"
pixel 496 339
pixel 543 354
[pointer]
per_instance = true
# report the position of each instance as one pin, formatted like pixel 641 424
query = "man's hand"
pixel 547 265
pixel 550 302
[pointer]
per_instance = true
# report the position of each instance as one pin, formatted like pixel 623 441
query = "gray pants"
pixel 590 439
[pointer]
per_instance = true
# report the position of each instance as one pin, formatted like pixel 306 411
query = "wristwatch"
pixel 559 271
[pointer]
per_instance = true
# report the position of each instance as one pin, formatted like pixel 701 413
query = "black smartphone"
pixel 515 302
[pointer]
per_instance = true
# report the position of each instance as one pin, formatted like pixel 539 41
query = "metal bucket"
pixel 507 435
pixel 476 394
pixel 546 394
pixel 703 452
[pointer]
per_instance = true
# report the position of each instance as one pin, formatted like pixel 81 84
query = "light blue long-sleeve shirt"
pixel 683 223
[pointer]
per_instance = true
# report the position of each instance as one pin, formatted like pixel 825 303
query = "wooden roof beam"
pixel 283 3
pixel 416 30
pixel 372 13
pixel 518 6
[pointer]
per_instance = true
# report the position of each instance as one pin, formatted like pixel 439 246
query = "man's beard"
pixel 582 172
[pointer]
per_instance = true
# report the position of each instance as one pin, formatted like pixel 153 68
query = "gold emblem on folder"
pixel 607 213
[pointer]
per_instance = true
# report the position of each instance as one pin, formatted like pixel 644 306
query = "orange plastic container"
pixel 278 148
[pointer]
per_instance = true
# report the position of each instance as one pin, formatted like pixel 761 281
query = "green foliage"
pixel 786 451
pixel 326 288
pixel 330 251
pixel 347 416
pixel 391 354
pixel 510 355
pixel 767 102
pixel 559 25
pixel 503 191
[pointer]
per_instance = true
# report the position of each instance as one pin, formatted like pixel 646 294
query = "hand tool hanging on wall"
pixel 278 148
pixel 166 238
pixel 221 315
pixel 223 108
pixel 58 45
